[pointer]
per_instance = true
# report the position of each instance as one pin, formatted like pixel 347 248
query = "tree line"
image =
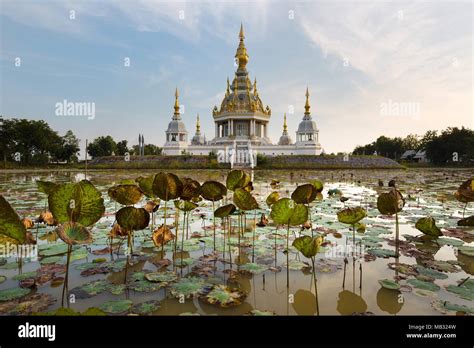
pixel 451 145
pixel 35 142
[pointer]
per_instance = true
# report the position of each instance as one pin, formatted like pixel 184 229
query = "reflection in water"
pixel 304 303
pixel 467 263
pixel 389 300
pixel 349 303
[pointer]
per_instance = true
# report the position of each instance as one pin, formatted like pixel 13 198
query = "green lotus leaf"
pixel 465 290
pixel 80 202
pixel 318 185
pixel 272 198
pixel 431 272
pixel 465 192
pixel 167 186
pixel 46 186
pixel 447 307
pixel 213 191
pixel 259 313
pixel 389 203
pixel 419 284
pixel 254 268
pixel 223 296
pixel 132 219
pixel 10 223
pixel 427 225
pixel 125 194
pixel 466 250
pixel 161 277
pixel 304 194
pixel 385 253
pixel 146 185
pixel 225 211
pixel 185 205
pixel 191 189
pixel 244 200
pixel 115 307
pixel 146 308
pixel 286 211
pixel 237 179
pixel 351 215
pixel 74 233
pixel 187 287
pixel 469 221
pixel 13 293
pixel 307 245
pixel 389 284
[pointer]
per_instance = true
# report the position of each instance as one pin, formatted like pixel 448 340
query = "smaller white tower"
pixel 307 135
pixel 176 134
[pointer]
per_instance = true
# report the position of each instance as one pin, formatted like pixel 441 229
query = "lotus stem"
pixel 253 236
pixel 288 256
pixel 397 246
pixel 214 224
pixel 353 241
pixel 164 225
pixel 228 236
pixel 344 277
pixel 315 286
pixel 66 279
pixel 223 252
pixel 182 237
pixel 276 254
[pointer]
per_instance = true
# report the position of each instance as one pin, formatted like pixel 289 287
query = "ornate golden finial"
pixel 176 102
pixel 227 92
pixel 255 86
pixel 241 53
pixel 285 127
pixel 306 105
pixel 198 125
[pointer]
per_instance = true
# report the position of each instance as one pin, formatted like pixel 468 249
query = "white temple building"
pixel 241 124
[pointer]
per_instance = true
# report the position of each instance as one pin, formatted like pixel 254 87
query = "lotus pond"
pixel 237 243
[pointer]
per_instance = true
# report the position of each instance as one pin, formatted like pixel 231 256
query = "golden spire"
pixel 241 53
pixel 228 87
pixel 285 127
pixel 198 125
pixel 306 105
pixel 176 103
pixel 255 87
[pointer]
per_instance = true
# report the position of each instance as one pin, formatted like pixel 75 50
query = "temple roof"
pixel 241 95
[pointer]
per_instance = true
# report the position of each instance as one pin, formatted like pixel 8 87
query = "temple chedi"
pixel 241 124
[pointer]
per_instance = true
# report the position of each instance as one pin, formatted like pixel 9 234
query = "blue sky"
pixel 353 56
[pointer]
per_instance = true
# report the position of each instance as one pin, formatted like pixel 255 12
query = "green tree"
pixel 70 147
pixel 452 144
pixel 122 147
pixel 102 146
